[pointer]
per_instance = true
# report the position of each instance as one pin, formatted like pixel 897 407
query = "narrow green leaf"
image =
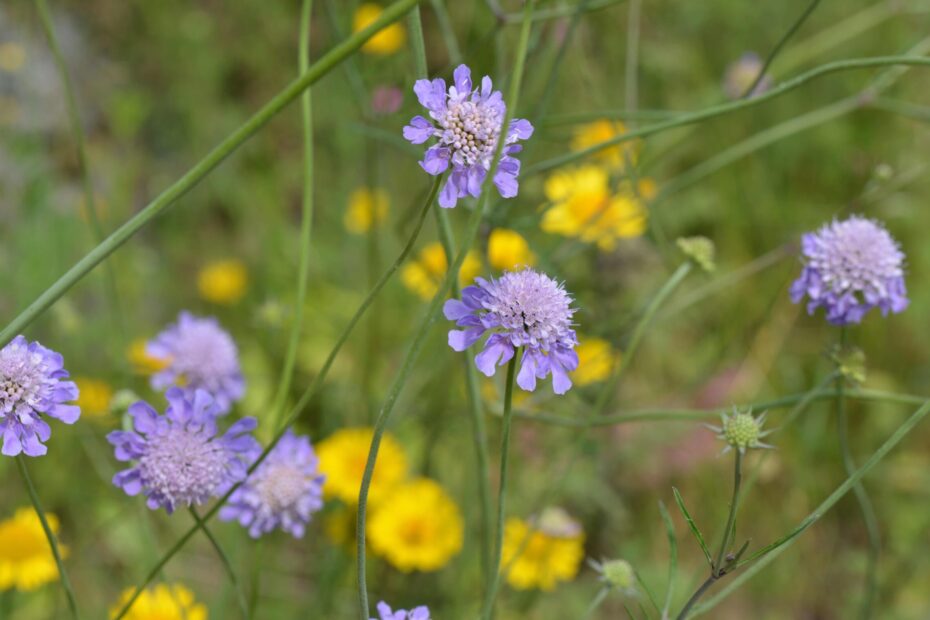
pixel 693 526
pixel 672 557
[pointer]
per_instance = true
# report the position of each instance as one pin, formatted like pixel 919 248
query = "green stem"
pixel 862 497
pixel 447 240
pixel 563 11
pixel 638 332
pixel 227 565
pixel 768 553
pixel 306 220
pixel 77 129
pixel 302 403
pixel 37 504
pixel 432 313
pixel 690 118
pixel 781 43
pixel 596 602
pixel 213 159
pixel 729 532
pixel 704 587
pixel 448 32
pixel 493 576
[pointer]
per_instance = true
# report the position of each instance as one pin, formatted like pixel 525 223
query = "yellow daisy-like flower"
pixel 26 560
pixel 367 208
pixel 507 249
pixel 163 602
pixel 385 42
pixel 583 207
pixel 599 131
pixel 420 528
pixel 223 281
pixel 424 275
pixel 596 360
pixel 143 363
pixel 343 456
pixel 94 397
pixel 540 553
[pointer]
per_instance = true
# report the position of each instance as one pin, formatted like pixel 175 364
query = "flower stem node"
pixel 700 250
pixel 742 431
pixel 850 363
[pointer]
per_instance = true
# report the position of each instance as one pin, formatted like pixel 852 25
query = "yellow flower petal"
pixel 343 456
pixel 507 249
pixel 223 281
pixel 385 42
pixel 163 602
pixel 367 208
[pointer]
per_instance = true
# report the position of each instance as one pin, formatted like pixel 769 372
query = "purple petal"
pixel 435 160
pixel 419 130
pixel 520 129
pixel 462 78
pixel 431 94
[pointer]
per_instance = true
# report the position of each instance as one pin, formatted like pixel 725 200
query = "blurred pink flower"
pixel 386 100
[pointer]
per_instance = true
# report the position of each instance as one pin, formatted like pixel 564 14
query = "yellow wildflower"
pixel 507 249
pixel 94 399
pixel 424 275
pixel 538 554
pixel 385 42
pixel 142 362
pixel 343 456
pixel 602 130
pixel 12 57
pixel 223 281
pixel 595 361
pixel 163 602
pixel 421 527
pixel 367 208
pixel 26 560
pixel 583 207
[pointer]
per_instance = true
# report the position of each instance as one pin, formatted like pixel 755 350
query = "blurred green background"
pixel 159 84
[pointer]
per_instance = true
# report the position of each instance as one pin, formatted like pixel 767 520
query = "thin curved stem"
pixel 729 532
pixel 778 46
pixel 227 565
pixel 306 219
pixel 50 536
pixel 304 400
pixel 193 176
pixel 690 118
pixel 87 185
pixel 599 598
pixel 432 313
pixel 862 497
pixel 446 238
pixel 493 576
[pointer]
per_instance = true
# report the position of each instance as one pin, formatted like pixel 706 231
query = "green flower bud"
pixel 700 250
pixel 742 431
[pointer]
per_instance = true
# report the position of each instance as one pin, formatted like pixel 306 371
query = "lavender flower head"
pixel 385 613
pixel 850 267
pixel 522 309
pixel 283 492
pixel 467 124
pixel 178 458
pixel 201 356
pixel 32 384
pixel 741 74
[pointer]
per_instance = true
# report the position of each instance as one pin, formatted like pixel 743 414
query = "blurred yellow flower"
pixel 26 560
pixel 424 275
pixel 596 360
pixel 420 528
pixel 223 281
pixel 163 602
pixel 142 362
pixel 599 131
pixel 12 57
pixel 583 207
pixel 94 397
pixel 385 42
pixel 343 456
pixel 367 208
pixel 507 249
pixel 550 550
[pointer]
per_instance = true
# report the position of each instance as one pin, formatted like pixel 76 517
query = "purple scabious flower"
pixel 850 267
pixel 385 613
pixel 32 383
pixel 201 355
pixel 283 492
pixel 522 309
pixel 467 124
pixel 178 458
